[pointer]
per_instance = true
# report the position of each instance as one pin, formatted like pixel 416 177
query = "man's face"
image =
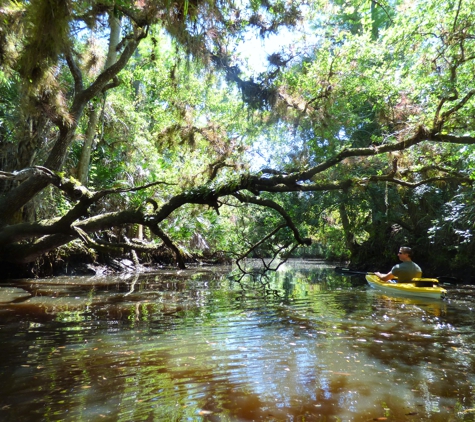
pixel 402 255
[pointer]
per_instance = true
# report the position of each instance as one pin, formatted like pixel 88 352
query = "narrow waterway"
pixel 192 346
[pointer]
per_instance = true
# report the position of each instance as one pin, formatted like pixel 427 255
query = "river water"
pixel 192 346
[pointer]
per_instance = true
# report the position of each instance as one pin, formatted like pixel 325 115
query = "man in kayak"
pixel 406 270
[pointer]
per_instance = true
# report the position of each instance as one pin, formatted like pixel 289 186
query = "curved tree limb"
pixel 271 204
pixel 52 233
pixel 162 235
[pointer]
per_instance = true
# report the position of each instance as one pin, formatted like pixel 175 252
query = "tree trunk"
pixel 30 141
pixel 88 146
pixel 19 196
pixel 85 159
pixel 349 235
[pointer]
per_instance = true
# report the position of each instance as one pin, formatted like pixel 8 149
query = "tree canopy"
pixel 131 127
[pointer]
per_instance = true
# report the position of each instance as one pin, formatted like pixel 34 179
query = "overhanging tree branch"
pixel 54 232
pixel 267 203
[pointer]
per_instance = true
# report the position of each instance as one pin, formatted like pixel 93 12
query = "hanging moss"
pixel 47 33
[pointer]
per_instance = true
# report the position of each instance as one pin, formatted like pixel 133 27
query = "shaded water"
pixel 190 346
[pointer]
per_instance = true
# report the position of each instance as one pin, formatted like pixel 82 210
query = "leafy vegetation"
pixel 138 128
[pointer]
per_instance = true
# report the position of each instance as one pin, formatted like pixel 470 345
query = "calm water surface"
pixel 190 346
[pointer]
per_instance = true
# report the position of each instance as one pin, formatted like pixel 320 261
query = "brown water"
pixel 190 346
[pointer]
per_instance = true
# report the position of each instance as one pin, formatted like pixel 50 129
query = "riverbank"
pixel 76 260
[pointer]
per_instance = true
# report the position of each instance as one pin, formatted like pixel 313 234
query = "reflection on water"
pixel 189 345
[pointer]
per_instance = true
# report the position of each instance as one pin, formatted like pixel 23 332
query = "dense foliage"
pixel 130 128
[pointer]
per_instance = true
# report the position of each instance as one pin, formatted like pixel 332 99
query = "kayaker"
pixel 406 270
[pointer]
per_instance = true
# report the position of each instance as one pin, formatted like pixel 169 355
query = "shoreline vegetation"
pixel 71 260
pixel 77 261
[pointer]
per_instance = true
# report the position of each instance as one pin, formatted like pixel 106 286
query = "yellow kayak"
pixel 420 287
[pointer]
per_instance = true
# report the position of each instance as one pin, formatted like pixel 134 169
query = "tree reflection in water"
pixel 189 345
